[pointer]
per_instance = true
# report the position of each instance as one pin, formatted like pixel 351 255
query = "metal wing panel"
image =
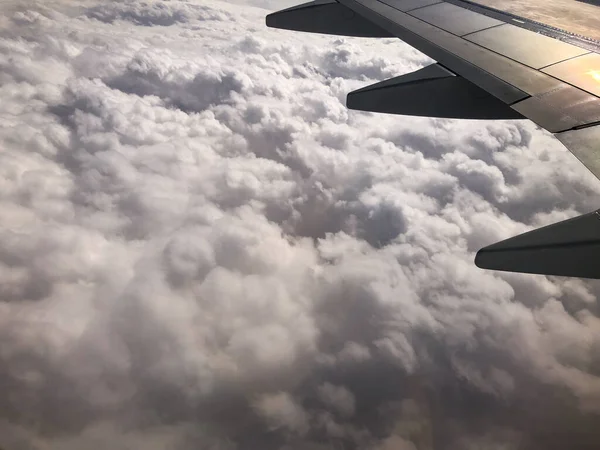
pixel 585 145
pixel 454 19
pixel 561 109
pixel 529 48
pixel 408 5
pixel 583 72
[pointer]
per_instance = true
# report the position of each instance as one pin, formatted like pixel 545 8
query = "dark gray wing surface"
pixel 568 248
pixel 490 65
pixel 316 17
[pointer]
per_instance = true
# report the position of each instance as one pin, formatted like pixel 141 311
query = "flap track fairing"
pixel 327 17
pixel 569 248
pixel 432 91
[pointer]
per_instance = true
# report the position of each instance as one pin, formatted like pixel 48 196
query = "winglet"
pixel 569 248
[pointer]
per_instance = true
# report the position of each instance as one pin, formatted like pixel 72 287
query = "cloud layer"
pixel 201 247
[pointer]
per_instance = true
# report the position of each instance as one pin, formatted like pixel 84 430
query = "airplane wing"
pixel 490 65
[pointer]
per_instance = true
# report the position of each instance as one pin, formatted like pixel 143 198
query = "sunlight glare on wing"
pixel 595 74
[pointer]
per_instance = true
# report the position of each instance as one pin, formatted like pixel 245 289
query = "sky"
pixel 201 247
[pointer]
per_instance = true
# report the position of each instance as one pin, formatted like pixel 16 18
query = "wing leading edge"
pixel 490 65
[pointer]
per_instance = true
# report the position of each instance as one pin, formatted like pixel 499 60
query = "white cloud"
pixel 281 411
pixel 202 247
pixel 338 397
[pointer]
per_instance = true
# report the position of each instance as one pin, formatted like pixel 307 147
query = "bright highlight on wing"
pixel 595 74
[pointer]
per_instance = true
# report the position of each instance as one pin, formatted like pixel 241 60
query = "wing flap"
pixel 454 19
pixel 561 109
pixel 585 145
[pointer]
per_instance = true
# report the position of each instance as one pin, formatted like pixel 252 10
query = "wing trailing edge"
pixel 569 248
pixel 432 91
pixel 327 17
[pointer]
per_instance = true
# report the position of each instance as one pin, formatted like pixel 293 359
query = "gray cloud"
pixel 202 247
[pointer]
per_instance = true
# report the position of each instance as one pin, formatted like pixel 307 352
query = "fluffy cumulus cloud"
pixel 201 247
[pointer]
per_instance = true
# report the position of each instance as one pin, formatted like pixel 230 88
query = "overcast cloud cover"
pixel 201 247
